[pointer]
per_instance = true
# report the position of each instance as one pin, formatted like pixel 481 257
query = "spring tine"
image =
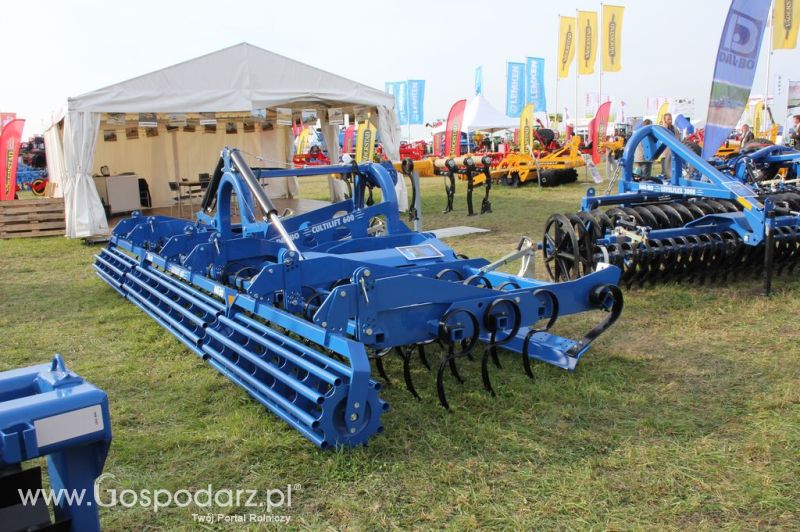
pixel 440 378
pixel 405 354
pixel 487 383
pixel 422 357
pixel 495 358
pixel 382 370
pixel 454 369
pixel 463 347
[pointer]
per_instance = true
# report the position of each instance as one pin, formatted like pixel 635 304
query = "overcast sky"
pixel 62 48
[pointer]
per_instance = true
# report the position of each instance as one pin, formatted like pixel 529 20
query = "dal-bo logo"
pixel 741 40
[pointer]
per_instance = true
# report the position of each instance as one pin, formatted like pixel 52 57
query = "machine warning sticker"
pixel 423 251
pixel 70 425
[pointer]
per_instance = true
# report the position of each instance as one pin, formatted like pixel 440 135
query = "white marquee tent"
pixel 480 115
pixel 232 83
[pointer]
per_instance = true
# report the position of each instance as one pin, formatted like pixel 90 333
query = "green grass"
pixel 686 414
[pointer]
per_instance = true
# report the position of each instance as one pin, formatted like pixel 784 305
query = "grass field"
pixel 686 414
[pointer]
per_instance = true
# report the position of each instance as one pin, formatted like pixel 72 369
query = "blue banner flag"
pixel 737 59
pixel 398 89
pixel 416 100
pixel 534 70
pixel 478 80
pixel 515 88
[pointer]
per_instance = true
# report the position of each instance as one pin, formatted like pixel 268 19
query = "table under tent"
pixel 149 133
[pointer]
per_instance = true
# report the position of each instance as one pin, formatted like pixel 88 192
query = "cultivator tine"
pixel 405 354
pixel 378 358
pixel 422 357
pixel 490 350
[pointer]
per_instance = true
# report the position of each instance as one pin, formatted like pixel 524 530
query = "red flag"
pixel 9 147
pixel 452 140
pixel 437 144
pixel 349 135
pixel 598 130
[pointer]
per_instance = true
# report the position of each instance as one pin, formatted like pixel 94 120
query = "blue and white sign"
pixel 398 89
pixel 416 101
pixel 515 88
pixel 534 68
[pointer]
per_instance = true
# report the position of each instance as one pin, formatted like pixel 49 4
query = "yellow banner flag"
pixel 526 128
pixel 365 142
pixel 785 20
pixel 664 109
pixel 612 38
pixel 566 46
pixel 758 118
pixel 587 41
pixel 303 141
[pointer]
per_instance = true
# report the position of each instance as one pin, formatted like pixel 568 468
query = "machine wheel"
pixel 561 249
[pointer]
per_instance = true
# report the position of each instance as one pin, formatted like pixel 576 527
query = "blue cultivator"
pixel 706 221
pixel 293 308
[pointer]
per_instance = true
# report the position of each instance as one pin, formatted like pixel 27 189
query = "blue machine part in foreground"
pixel 294 308
pixel 47 410
pixel 706 220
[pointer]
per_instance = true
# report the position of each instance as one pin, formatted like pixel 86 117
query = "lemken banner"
pixel 478 80
pixel 416 100
pixel 534 68
pixel 737 59
pixel 398 90
pixel 515 89
pixel 409 97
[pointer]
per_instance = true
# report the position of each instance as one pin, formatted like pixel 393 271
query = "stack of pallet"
pixel 32 217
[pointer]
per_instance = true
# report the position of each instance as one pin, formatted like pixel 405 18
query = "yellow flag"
pixel 587 41
pixel 758 117
pixel 664 109
pixel 566 46
pixel 612 38
pixel 302 141
pixel 785 20
pixel 526 128
pixel 365 142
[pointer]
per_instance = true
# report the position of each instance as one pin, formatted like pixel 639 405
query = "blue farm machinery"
pixel 47 410
pixel 707 220
pixel 294 308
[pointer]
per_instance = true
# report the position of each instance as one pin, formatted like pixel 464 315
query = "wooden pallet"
pixel 33 217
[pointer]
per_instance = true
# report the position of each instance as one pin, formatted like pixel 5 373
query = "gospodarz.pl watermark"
pixel 248 505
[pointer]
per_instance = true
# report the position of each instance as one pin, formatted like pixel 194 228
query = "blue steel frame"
pixel 30 396
pixel 343 290
pixel 703 180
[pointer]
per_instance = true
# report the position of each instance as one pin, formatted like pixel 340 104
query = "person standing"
pixel 747 136
pixel 642 167
pixel 794 133
pixel 666 162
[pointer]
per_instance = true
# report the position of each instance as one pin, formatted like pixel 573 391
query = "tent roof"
pixel 242 77
pixel 479 114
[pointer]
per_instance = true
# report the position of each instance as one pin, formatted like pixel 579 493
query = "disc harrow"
pixel 297 309
pixel 705 224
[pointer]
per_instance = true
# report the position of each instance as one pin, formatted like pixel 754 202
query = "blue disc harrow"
pixel 295 309
pixel 710 220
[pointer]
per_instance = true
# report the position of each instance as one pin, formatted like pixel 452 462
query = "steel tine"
pixel 406 356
